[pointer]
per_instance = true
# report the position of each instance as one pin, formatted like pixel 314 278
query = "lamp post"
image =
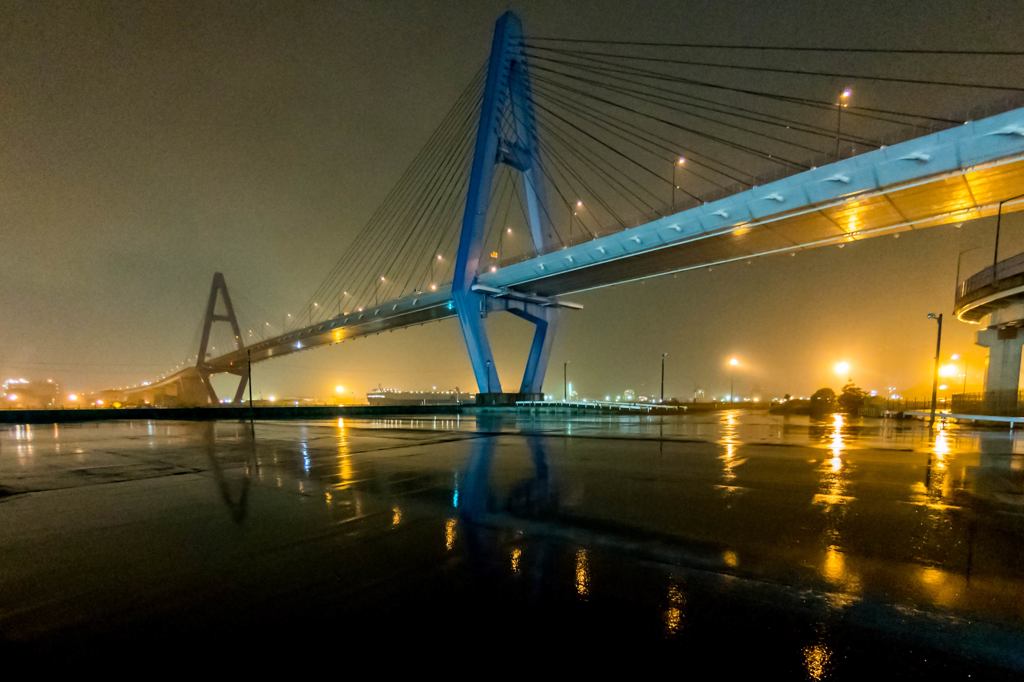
pixel 574 211
pixel 935 373
pixel 488 377
pixel 843 101
pixel 959 259
pixel 675 178
pixel 663 356
pixel 252 415
pixel 999 222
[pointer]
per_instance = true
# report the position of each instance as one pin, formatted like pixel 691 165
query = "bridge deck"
pixel 950 176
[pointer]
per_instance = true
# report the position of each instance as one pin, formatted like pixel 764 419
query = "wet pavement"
pixel 727 542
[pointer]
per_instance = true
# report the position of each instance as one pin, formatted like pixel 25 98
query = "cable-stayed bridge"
pixel 568 165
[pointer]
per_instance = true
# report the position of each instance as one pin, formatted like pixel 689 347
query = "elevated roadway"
pixel 954 175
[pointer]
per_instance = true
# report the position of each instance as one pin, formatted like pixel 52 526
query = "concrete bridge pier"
pixel 994 297
pixel 1004 350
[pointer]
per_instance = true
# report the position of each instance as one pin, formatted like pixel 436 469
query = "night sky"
pixel 145 146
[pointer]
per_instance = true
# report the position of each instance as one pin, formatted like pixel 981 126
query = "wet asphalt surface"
pixel 726 543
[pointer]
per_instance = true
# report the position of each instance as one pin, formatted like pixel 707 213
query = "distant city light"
pixel 73 397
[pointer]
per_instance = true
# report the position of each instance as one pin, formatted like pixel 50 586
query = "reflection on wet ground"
pixel 812 549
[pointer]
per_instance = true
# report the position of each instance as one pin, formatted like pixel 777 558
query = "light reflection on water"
pixel 816 661
pixel 729 442
pixel 674 611
pixel 582 573
pixel 514 558
pixel 449 534
pixel 833 470
pixel 866 507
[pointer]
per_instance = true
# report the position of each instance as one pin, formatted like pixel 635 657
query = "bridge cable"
pixel 758 115
pixel 386 214
pixel 772 69
pixel 786 48
pixel 729 143
pixel 671 146
pixel 394 199
pixel 577 148
pixel 671 153
pixel 627 69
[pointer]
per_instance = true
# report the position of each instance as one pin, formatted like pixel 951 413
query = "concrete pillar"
pixel 1004 349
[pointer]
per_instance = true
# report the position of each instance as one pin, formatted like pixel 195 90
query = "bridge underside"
pixel 186 388
pixel 947 198
pixel 953 198
pixel 943 199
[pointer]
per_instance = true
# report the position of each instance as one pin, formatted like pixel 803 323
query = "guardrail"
pixel 993 403
pixel 600 405
pixel 986 281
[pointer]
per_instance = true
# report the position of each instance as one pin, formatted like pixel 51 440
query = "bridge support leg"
pixel 471 309
pixel 1002 381
pixel 545 321
pixel 243 380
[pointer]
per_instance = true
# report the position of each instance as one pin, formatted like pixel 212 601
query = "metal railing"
pixel 599 405
pixel 996 403
pixel 984 280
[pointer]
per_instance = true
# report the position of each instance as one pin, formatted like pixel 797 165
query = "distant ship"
pixel 390 396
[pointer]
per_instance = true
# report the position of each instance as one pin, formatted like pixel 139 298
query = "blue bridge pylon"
pixel 507 95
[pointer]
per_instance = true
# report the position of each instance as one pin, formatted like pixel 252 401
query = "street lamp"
pixel 959 258
pixel 574 211
pixel 675 178
pixel 999 222
pixel 935 372
pixel 663 356
pixel 843 101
